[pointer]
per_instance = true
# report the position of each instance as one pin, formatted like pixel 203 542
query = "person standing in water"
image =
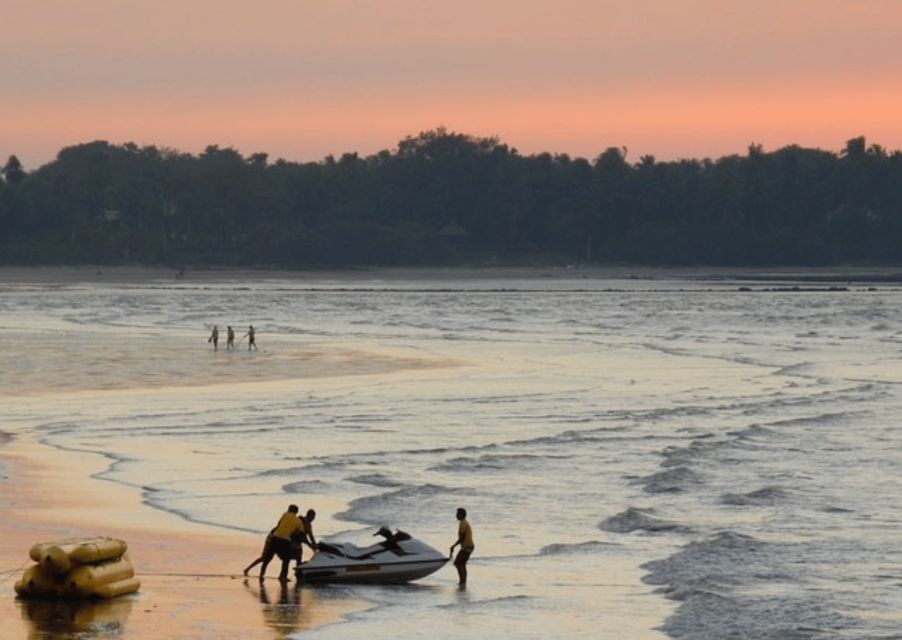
pixel 251 338
pixel 214 338
pixel 465 540
pixel 230 339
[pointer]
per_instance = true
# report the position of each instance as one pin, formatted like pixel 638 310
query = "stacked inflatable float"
pixel 79 568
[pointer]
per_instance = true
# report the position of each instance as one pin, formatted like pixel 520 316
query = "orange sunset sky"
pixel 300 79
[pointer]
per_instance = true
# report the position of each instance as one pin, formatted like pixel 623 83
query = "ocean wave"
pixel 709 591
pixel 674 480
pixel 494 462
pixel 835 509
pixel 285 471
pixel 766 496
pixel 605 434
pixel 752 432
pixel 409 504
pixel 679 456
pixel 711 615
pixel 591 546
pixel 720 557
pixel 307 486
pixel 635 519
pixel 375 479
pixel 817 420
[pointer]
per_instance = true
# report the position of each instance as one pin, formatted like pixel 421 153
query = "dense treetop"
pixel 448 198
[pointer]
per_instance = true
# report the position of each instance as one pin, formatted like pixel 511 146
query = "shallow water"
pixel 640 459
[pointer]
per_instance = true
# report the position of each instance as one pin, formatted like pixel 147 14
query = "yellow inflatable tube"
pixel 118 588
pixel 61 556
pixel 98 549
pixel 37 582
pixel 37 550
pixel 87 579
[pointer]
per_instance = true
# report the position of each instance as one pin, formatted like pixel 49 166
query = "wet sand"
pixel 191 583
pixel 46 363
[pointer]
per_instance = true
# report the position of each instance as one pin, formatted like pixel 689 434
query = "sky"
pixel 301 79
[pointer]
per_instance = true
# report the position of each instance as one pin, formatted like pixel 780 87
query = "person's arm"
pixel 311 542
pixel 460 540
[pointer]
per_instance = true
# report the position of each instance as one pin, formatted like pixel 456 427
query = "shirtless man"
pixel 305 537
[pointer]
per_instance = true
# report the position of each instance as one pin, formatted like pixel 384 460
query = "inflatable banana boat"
pixel 61 556
pixel 79 568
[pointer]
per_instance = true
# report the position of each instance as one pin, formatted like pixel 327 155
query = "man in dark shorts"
pixel 280 543
pixel 465 540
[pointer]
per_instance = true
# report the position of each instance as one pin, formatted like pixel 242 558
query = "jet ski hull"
pixel 400 558
pixel 373 573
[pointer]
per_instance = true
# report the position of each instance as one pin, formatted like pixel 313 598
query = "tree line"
pixel 445 198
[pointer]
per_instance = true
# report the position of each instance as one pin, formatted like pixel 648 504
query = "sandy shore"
pixel 191 583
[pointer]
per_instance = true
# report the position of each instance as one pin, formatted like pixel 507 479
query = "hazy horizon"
pixel 302 80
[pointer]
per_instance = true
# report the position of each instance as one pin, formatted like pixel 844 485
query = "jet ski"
pixel 398 558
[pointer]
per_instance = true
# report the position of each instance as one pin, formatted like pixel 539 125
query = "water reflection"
pixel 281 607
pixel 60 619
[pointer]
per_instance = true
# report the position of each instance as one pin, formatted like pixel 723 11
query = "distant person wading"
pixel 214 338
pixel 251 338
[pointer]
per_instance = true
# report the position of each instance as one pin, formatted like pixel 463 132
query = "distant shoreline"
pixel 96 274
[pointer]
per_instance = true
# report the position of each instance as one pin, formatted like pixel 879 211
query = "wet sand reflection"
pixel 281 607
pixel 61 619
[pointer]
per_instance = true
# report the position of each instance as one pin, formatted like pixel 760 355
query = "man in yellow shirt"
pixel 465 540
pixel 280 543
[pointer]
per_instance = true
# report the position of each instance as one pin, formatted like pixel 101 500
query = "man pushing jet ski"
pixel 399 557
pixel 285 540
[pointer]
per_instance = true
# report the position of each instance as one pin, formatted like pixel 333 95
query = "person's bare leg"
pixel 253 564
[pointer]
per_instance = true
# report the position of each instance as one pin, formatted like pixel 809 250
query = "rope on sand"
pixel 191 575
pixel 6 574
pixel 9 573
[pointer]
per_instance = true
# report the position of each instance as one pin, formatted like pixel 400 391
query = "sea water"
pixel 684 458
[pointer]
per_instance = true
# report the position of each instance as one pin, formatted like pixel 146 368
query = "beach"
pixel 190 571
pixel 190 574
pixel 632 446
